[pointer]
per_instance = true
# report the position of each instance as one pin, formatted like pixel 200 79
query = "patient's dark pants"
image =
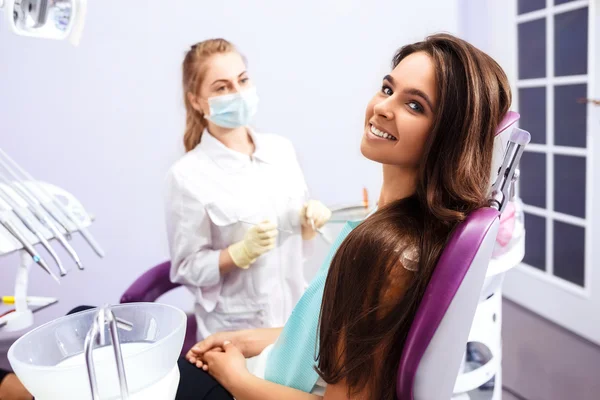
pixel 194 383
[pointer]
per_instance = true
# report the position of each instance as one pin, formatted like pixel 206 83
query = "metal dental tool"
pixel 26 193
pixel 41 215
pixel 220 214
pixel 29 224
pixel 84 232
pixel 253 223
pixel 27 246
pixel 326 238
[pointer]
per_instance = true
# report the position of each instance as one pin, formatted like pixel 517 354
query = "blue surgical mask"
pixel 233 110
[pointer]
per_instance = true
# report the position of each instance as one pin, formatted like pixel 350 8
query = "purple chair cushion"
pixel 190 334
pixel 149 287
pixel 452 267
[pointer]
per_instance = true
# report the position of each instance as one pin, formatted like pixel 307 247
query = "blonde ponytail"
pixel 193 72
pixel 194 126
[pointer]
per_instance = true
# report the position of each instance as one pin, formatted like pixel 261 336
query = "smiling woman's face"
pixel 400 116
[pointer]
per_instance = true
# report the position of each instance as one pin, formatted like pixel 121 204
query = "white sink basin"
pixel 50 362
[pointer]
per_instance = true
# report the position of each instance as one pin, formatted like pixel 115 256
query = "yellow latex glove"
pixel 258 240
pixel 314 214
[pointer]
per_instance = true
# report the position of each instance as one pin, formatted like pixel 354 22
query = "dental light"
pixel 46 19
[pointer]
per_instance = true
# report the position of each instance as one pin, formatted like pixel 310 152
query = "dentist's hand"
pixel 258 240
pixel 314 214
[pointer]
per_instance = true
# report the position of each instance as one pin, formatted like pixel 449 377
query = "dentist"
pixel 237 207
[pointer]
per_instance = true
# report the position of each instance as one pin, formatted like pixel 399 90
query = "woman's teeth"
pixel 381 134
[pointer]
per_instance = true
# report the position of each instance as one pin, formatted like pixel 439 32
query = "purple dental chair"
pixel 435 347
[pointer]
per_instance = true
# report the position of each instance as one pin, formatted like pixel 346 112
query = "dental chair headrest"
pixel 510 118
pixel 501 141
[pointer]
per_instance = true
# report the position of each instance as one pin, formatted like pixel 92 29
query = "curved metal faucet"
pixel 104 317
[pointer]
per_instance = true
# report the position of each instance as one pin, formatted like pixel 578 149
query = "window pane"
pixel 532 181
pixel 532 49
pixel 557 2
pixel 532 107
pixel 570 127
pixel 535 241
pixel 569 252
pixel 526 6
pixel 569 185
pixel 571 42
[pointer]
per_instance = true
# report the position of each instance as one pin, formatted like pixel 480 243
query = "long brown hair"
pixel 362 333
pixel 193 73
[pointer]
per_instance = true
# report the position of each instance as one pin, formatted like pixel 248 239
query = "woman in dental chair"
pixel 431 126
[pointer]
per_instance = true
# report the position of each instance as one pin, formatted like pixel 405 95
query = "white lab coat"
pixel 210 190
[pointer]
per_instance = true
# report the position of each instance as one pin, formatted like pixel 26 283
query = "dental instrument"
pixel 40 214
pixel 326 238
pixel 40 209
pixel 22 316
pixel 46 19
pixel 345 212
pixel 29 224
pixel 84 232
pixel 39 306
pixel 27 246
pixel 31 300
pixel 26 193
pixel 218 213
pixel 323 235
pixel 254 223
